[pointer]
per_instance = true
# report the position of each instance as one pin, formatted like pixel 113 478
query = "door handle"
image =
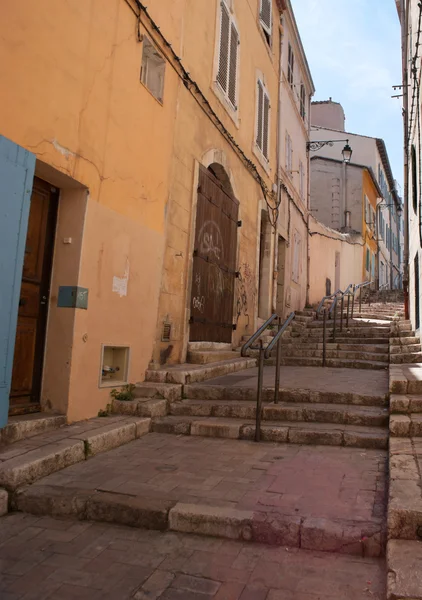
pixel 43 301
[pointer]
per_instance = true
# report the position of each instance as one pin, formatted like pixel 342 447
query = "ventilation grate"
pixel 166 334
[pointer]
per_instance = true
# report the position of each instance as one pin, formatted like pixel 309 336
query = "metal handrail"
pixel 320 305
pixel 265 353
pixel 257 334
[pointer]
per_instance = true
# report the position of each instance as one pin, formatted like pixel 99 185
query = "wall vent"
pixel 166 333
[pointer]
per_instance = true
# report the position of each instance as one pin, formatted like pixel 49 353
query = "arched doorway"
pixel 214 258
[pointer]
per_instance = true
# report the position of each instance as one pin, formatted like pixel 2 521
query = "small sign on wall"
pixel 72 296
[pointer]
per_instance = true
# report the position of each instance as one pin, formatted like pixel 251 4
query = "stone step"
pixel 405 404
pixel 362 539
pixel 284 411
pixel 200 346
pixel 404 502
pixel 27 461
pixel 404 341
pixel 305 345
pixel 28 426
pixel 296 352
pixel 204 357
pixel 184 374
pixel 405 426
pixel 230 393
pixel 281 431
pixel 404 566
pixel 406 358
pixel 149 389
pixel 353 333
pixel 405 379
pixel 331 362
pixel 354 326
pixel 405 348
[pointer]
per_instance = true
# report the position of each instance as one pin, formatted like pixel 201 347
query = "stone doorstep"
pixel 20 428
pixel 280 432
pixel 161 513
pixel 307 412
pixel 205 357
pixel 404 570
pixel 221 392
pixel 33 462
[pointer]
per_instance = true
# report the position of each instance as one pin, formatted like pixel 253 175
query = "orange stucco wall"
pixel 369 231
pixel 71 93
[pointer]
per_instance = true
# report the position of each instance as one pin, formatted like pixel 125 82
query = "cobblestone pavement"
pixel 323 481
pixel 357 381
pixel 43 558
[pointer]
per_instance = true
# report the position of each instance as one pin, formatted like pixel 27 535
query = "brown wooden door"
pixel 214 262
pixel 33 303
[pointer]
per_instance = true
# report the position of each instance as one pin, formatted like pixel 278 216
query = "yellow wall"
pixel 369 231
pixel 71 93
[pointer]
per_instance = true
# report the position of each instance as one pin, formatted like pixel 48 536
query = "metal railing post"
pixel 341 315
pixel 259 393
pixel 353 302
pixel 335 321
pixel 348 308
pixel 360 300
pixel 277 366
pixel 324 339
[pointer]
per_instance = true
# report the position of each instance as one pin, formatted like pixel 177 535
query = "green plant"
pixel 106 412
pixel 125 394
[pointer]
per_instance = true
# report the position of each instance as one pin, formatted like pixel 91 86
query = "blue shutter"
pixel 16 176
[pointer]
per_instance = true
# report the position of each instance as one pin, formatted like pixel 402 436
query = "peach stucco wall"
pixel 71 93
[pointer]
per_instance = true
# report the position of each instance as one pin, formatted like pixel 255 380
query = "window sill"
pixel 222 98
pixel 265 164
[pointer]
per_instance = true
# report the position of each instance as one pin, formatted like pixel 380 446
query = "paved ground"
pixel 42 558
pixel 322 481
pixel 357 381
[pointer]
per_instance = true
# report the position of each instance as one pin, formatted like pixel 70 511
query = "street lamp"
pixel 318 144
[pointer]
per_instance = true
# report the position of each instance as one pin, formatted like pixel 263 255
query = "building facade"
pixel 372 154
pixel 161 174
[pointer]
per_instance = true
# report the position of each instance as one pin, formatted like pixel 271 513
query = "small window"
pixel 266 19
pixel 228 56
pixel 302 101
pixel 263 120
pixel 152 70
pixel 301 180
pixel 289 155
pixel 290 66
pixel 367 260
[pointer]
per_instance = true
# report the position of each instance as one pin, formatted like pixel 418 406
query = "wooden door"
pixel 214 262
pixel 33 302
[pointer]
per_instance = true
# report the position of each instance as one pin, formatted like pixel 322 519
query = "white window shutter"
pixel 223 64
pixel 234 49
pixel 259 117
pixel 266 125
pixel 266 15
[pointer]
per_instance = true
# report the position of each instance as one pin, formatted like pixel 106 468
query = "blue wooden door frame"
pixel 17 167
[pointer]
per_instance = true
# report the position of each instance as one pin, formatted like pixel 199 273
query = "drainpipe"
pixel 404 15
pixel 308 206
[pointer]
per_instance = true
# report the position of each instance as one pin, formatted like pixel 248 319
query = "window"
pixel 414 181
pixel 289 155
pixel 302 101
pixel 297 242
pixel 228 56
pixel 152 69
pixel 367 211
pixel 290 66
pixel 263 120
pixel 266 19
pixel 301 180
pixel 367 259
